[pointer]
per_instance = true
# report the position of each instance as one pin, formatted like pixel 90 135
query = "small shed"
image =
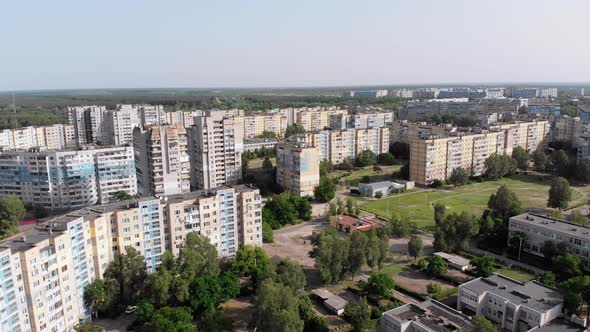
pixel 333 302
pixel 455 261
pixel 384 187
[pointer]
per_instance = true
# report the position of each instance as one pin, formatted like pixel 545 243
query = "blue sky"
pixel 255 43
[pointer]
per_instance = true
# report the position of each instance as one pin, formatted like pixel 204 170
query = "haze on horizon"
pixel 136 44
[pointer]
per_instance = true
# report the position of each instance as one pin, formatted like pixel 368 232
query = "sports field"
pixel 473 198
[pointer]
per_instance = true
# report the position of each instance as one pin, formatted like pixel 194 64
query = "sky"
pixel 298 43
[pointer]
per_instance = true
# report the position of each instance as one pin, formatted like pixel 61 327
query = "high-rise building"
pixel 87 122
pixel 54 137
pixel 216 145
pixel 162 160
pixel 316 119
pixel 256 124
pixel 183 118
pixel 151 115
pixel 67 179
pixel 298 166
pixel 45 269
pixel 339 145
pixel 119 125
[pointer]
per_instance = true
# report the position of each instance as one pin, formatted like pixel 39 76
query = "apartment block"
pixel 298 167
pixel 339 145
pixel 362 120
pixel 67 179
pixel 256 124
pixel 55 137
pixel 119 125
pixel 151 115
pixel 87 122
pixel 436 157
pixel 183 118
pixel 216 145
pixel 162 160
pixel 317 119
pixel 427 316
pixel 512 305
pixel 404 131
pixel 540 228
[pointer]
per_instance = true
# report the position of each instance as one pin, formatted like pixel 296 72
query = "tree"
pixel 373 250
pixel 267 234
pixel 325 168
pixel 540 160
pixel 498 166
pixel 522 157
pixel 280 210
pixel 436 266
pixel 560 194
pixel 325 190
pixel 482 324
pixel 331 256
pixel 439 212
pixel 399 225
pixel 87 327
pixel 275 309
pixel 129 272
pixel 583 170
pixel 459 177
pixel 205 294
pixel 358 314
pixel 12 211
pixel 252 262
pixel 566 267
pixel 99 295
pixel 294 129
pixel 267 134
pixel 198 257
pixel 122 196
pixel 454 232
pixel 547 278
pixel 404 171
pixel 356 254
pixel 380 285
pixel 415 246
pixel 378 195
pixel 365 158
pixel 400 150
pixel 312 322
pixel 349 206
pixel 549 250
pixel 332 209
pixel 578 218
pixel 267 164
pixel 504 203
pixel 302 206
pixel 577 292
pixel 387 159
pixel 437 183
pixel 215 321
pixel 170 319
pixel 483 266
pixel 290 274
pixel 560 163
pixel 356 209
pixel 145 312
pixel 341 206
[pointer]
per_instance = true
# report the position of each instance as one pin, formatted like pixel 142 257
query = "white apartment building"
pixel 339 145
pixel 151 115
pixel 540 229
pixel 298 167
pixel 119 125
pixel 67 179
pixel 45 269
pixel 54 137
pixel 314 119
pixel 256 124
pixel 162 160
pixel 183 118
pixel 371 119
pixel 512 305
pixel 216 145
pixel 87 122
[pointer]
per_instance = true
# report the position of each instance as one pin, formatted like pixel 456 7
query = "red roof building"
pixel 349 224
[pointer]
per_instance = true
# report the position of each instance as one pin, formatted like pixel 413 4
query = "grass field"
pixel 473 198
pixel 516 274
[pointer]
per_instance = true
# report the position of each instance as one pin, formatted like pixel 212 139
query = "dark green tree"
pixel 459 177
pixel 294 129
pixel 439 212
pixel 498 166
pixel 522 157
pixel 252 262
pixel 122 196
pixel 169 319
pixel 436 266
pixel 100 294
pixel 290 274
pixel 349 205
pixel 267 235
pixel 215 321
pixel 358 314
pixel 266 163
pixel 275 309
pixel 504 203
pixel 540 160
pixel 331 256
pixel 387 159
pixel 12 211
pixel 560 194
pixel 357 252
pixel 325 191
pixel 560 163
pixel 583 170
pixel 483 266
pixel 415 246
pixel 482 324
pixel 566 267
pixel 129 272
pixel 454 232
pixel 365 158
pixel 380 285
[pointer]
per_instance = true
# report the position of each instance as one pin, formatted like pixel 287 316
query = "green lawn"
pixel 472 198
pixel 516 274
pixel 257 163
pixel 356 175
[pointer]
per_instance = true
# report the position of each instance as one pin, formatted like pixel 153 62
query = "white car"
pixel 130 309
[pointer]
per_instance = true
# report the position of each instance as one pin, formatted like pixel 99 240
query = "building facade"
pixel 317 119
pixel 58 180
pixel 119 125
pixel 216 145
pixel 256 124
pixel 54 137
pixel 298 167
pixel 162 160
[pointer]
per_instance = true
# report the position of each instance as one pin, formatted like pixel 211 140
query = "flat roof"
pixel 432 314
pixel 336 302
pixel 532 294
pixel 455 259
pixel 322 293
pixel 553 224
pixel 560 325
pixel 380 184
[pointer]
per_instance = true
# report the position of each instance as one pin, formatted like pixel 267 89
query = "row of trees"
pixel 262 152
pixel 285 208
pixel 12 211
pixel 349 206
pixel 337 257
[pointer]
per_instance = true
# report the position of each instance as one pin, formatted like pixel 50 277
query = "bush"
pixel 375 313
pixel 378 194
pixel 437 183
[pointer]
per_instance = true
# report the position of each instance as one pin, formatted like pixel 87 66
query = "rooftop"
pixel 532 294
pixel 554 224
pixel 433 315
pixel 380 184
pixel 359 223
pixel 454 259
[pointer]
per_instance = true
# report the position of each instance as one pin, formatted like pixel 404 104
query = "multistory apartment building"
pixel 512 305
pixel 54 137
pixel 583 149
pixel 119 125
pixel 162 160
pixel 67 179
pixel 151 115
pixel 216 145
pixel 422 111
pixel 528 135
pixel 183 118
pixel 339 145
pixel 45 269
pixel 317 119
pixel 547 93
pixel 567 129
pixel 404 131
pixel 540 229
pixel 368 93
pixel 372 119
pixel 256 124
pixel 87 122
pixel 298 166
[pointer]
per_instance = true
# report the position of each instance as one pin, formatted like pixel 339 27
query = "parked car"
pixel 130 309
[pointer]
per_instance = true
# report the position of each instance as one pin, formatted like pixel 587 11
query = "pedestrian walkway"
pixel 504 260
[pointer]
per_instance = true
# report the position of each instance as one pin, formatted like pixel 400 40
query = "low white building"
pixel 427 316
pixel 454 261
pixel 383 187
